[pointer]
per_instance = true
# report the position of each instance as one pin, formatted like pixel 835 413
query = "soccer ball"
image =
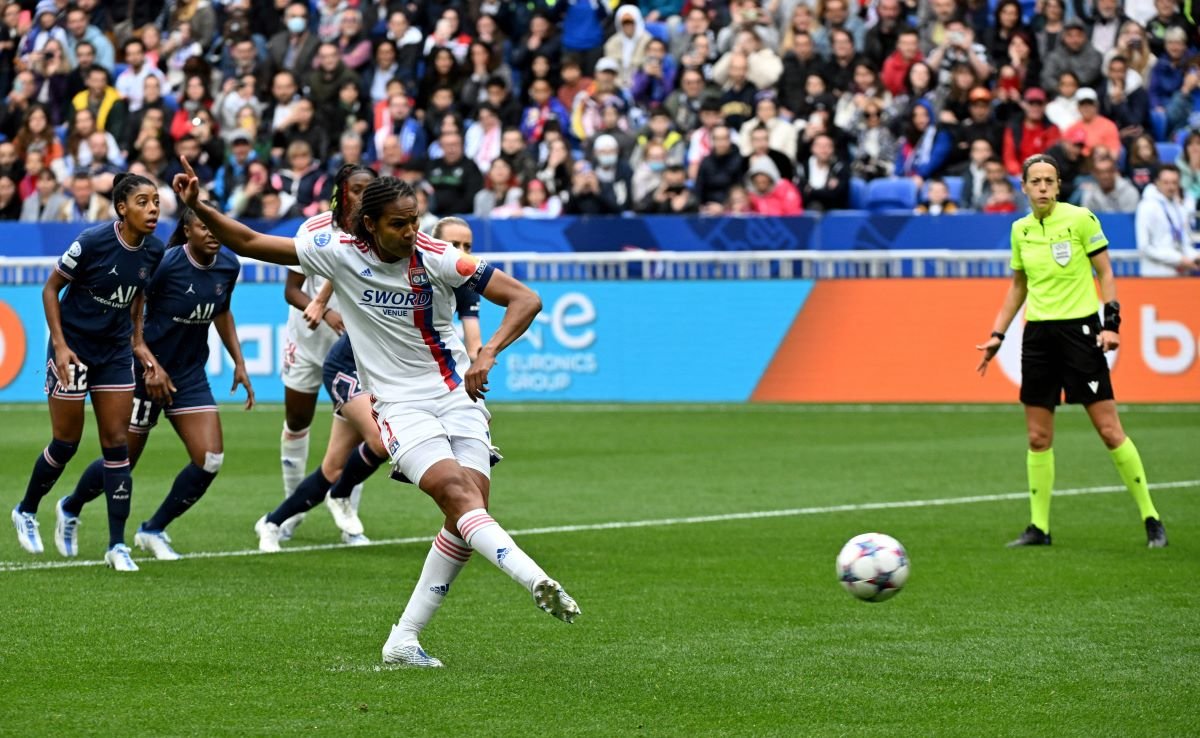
pixel 872 567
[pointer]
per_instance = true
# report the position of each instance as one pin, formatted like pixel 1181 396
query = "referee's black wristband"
pixel 998 334
pixel 1112 316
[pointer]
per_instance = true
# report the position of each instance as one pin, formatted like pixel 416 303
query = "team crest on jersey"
pixel 220 289
pixel 322 239
pixel 417 277
pixel 76 249
pixel 143 273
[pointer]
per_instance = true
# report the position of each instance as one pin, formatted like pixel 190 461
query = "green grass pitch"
pixel 734 626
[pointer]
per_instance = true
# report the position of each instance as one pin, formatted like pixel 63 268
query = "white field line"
pixel 11 566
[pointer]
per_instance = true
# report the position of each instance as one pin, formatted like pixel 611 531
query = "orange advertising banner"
pixel 913 340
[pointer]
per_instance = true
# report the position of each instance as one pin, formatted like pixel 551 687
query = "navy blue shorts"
pixel 102 370
pixel 340 375
pixel 192 395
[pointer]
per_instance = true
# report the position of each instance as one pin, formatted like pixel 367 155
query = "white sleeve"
pixel 316 258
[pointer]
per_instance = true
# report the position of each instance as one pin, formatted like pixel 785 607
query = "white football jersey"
pixel 399 314
pixel 314 344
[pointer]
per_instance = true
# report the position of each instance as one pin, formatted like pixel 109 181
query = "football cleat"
pixel 268 535
pixel 1156 534
pixel 289 526
pixel 27 531
pixel 1033 536
pixel 118 558
pixel 358 540
pixel 66 531
pixel 550 597
pixel 344 515
pixel 408 654
pixel 156 542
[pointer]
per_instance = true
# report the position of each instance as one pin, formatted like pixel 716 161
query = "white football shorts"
pixel 419 433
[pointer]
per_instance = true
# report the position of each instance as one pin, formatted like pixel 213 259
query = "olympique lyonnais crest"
pixel 322 239
pixel 417 277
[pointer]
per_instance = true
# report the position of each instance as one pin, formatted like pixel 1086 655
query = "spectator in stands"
pixel 37 135
pixel 1100 130
pixel 47 204
pixel 543 107
pixel 586 113
pixel 454 178
pixel 611 171
pixel 556 168
pixel 1021 65
pixel 895 68
pixel 247 199
pixel 152 154
pixel 1186 101
pixel 882 38
pixel 303 126
pixel 840 68
pixel 1108 192
pixel 919 85
pixel 483 63
pixel 235 170
pixel 587 197
pixel 400 124
pixel 974 176
pixel 954 104
pixel 1001 198
pixel 81 31
pixel 746 15
pixel 1166 17
pixel 236 94
pixel 1072 164
pixel 1141 161
pixel 737 92
pixel 85 205
pixel 683 105
pixel 35 162
pixel 104 101
pixel 1132 44
pixel 1107 18
pixel 573 81
pixel 770 194
pixel 45 27
pixel 324 83
pixel 1030 134
pixel 1063 110
pixel 980 123
pixel 738 202
pixel 10 198
pixel 1127 107
pixel 866 87
pixel 535 202
pixel 441 70
pixel 648 173
pixel 958 46
pixel 302 177
pixel 824 178
pixel 1188 163
pixel 926 146
pixel 101 166
pixel 241 59
pixel 781 133
pixel 937 199
pixel 178 50
pixel 655 79
pixel 410 44
pixel 720 168
pixel 352 149
pixel 85 59
pixel 352 42
pixel 294 47
pixel 672 196
pixel 499 94
pixel 695 24
pixel 765 66
pixel 383 68
pixel 1170 70
pixel 627 45
pixel 500 188
pixel 482 139
pixel 1073 53
pixel 10 163
pixel 512 148
pixel 798 64
pixel 448 32
pixel 1006 21
pixel 78 148
pixel 131 83
pixel 662 131
pixel 1164 239
pixel 875 144
pixel 541 39
pixel 195 97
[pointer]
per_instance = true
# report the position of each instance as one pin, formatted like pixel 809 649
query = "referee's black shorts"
pixel 1060 356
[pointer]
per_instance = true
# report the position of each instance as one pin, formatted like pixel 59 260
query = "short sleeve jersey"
pixel 1055 255
pixel 400 313
pixel 467 302
pixel 316 342
pixel 105 274
pixel 182 299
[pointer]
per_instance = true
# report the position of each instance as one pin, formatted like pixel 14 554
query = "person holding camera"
pixel 959 47
pixel 672 196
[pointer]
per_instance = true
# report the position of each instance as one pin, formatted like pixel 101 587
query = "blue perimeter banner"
pixel 593 341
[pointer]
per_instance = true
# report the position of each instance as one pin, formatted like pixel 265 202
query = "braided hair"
pixel 377 195
pixel 123 185
pixel 187 216
pixel 338 198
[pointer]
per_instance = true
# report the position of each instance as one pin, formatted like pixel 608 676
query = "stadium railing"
pixel 682 265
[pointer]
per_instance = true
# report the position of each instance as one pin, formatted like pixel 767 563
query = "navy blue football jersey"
pixel 182 299
pixel 105 275
pixel 466 301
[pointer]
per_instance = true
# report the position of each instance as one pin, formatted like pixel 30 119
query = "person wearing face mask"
pixel 649 172
pixel 613 174
pixel 294 47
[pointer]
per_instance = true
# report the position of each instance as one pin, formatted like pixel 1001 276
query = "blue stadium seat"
pixel 895 193
pixel 1167 152
pixel 858 193
pixel 659 31
pixel 1158 124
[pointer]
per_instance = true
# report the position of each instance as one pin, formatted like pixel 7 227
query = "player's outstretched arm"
pixel 241 239
pixel 1018 290
pixel 521 306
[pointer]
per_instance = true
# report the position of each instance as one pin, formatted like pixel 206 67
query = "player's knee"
pixel 375 444
pixel 457 491
pixel 1040 439
pixel 114 438
pixel 1112 434
pixel 212 462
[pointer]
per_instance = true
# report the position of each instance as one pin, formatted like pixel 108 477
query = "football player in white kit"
pixel 314 323
pixel 396 288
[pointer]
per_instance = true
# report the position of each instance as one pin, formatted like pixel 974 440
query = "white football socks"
pixel 356 497
pixel 485 535
pixel 293 456
pixel 447 556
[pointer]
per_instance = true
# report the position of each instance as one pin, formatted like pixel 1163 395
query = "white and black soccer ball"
pixel 872 567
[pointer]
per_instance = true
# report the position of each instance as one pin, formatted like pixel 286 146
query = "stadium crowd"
pixel 533 108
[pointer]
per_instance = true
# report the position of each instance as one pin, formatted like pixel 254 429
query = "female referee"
pixel 1054 252
pixel 103 271
pixel 396 286
pixel 191 289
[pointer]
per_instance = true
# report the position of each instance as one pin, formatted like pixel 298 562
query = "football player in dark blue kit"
pixel 455 231
pixel 103 271
pixel 192 288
